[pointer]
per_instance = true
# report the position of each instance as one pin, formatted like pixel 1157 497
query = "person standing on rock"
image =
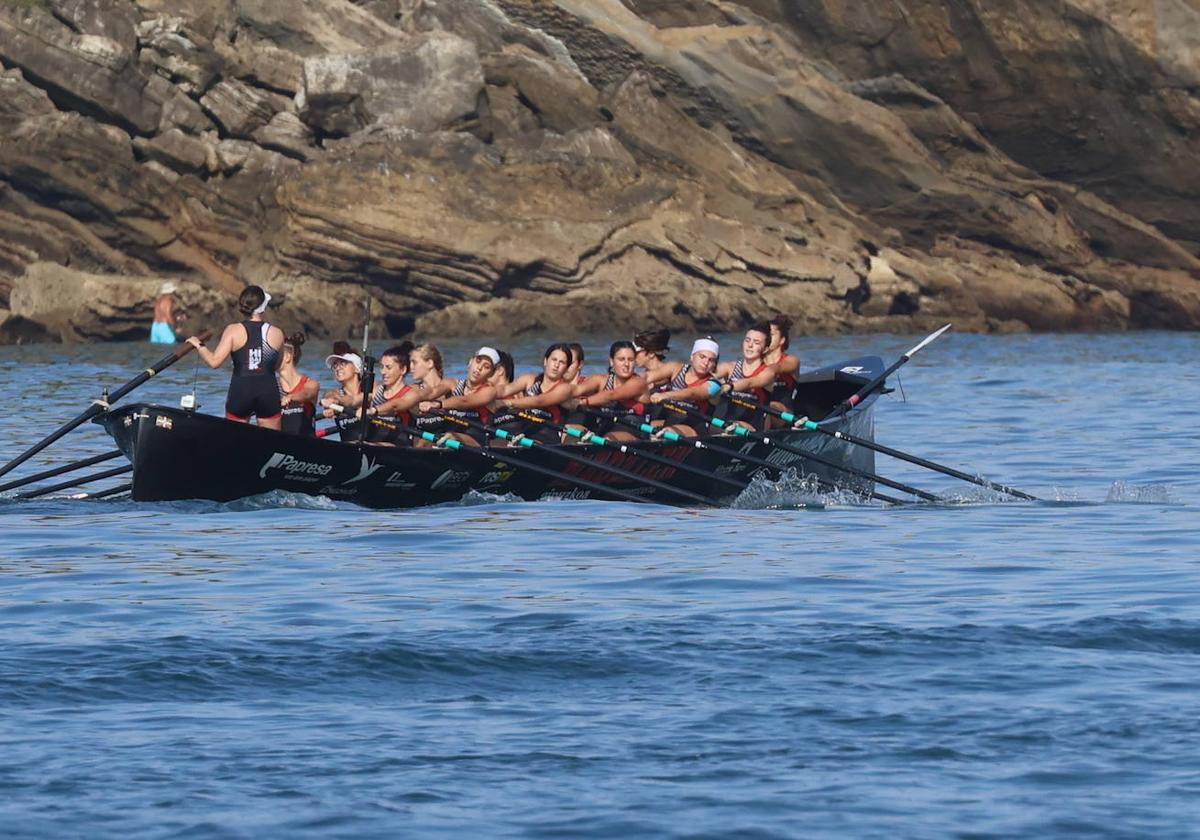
pixel 162 331
pixel 255 347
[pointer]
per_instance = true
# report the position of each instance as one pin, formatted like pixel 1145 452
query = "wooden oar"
pixel 804 453
pixel 863 392
pixel 101 405
pixel 733 454
pixel 74 482
pixel 805 423
pixel 626 449
pixel 458 446
pixel 76 465
pixel 587 462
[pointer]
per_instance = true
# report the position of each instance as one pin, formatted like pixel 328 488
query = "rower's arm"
pixel 663 373
pixel 310 390
pixel 475 399
pixel 697 393
pixel 516 386
pixel 589 386
pixel 762 379
pixel 557 395
pixel 399 405
pixel 630 389
pixel 216 358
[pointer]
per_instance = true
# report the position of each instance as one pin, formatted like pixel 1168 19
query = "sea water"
pixel 798 666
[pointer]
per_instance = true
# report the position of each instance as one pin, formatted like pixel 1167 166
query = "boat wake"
pixel 792 491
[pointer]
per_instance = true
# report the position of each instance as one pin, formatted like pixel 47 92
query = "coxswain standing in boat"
pixel 254 345
pixel 342 403
pixel 617 392
pixel 539 395
pixel 750 379
pixel 297 392
pixel 783 392
pixel 692 387
pixel 390 409
pixel 468 400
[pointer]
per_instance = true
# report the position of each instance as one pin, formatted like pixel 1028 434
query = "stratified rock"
pixel 287 135
pixel 90 67
pixel 71 305
pixel 185 57
pixel 241 109
pixel 426 82
pixel 176 150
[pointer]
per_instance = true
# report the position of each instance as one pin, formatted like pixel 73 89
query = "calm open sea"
pixel 292 667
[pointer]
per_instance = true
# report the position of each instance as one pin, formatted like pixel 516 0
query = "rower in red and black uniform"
pixel 540 395
pixel 342 403
pixel 468 399
pixel 574 373
pixel 617 392
pixel 297 392
pixel 787 365
pixel 254 346
pixel 650 349
pixel 389 410
pixel 692 387
pixel 750 378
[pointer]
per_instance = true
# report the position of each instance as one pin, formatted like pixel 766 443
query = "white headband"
pixel 263 306
pixel 489 353
pixel 706 344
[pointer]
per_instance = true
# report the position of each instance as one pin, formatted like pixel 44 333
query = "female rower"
pixel 617 392
pixel 749 379
pixel 538 395
pixel 466 404
pixel 690 388
pixel 393 399
pixel 574 373
pixel 503 374
pixel 787 365
pixel 427 371
pixel 650 354
pixel 254 346
pixel 343 402
pixel 297 392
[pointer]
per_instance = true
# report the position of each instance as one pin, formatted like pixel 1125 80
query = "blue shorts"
pixel 161 333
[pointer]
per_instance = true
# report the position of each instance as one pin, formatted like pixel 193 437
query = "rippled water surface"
pixel 798 667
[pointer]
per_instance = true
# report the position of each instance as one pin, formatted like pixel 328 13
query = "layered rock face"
pixel 504 166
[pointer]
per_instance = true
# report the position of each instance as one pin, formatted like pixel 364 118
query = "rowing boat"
pixel 181 454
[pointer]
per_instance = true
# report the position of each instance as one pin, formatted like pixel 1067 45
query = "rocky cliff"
pixel 501 166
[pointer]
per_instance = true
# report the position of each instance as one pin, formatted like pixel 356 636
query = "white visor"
pixel 490 353
pixel 263 306
pixel 706 344
pixel 352 358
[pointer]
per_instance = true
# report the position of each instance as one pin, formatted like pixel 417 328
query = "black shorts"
pixel 437 424
pixel 253 395
pixel 731 412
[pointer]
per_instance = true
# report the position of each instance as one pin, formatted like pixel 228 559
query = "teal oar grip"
pixel 573 432
pixel 429 436
pixel 451 443
pixel 526 442
pixel 602 441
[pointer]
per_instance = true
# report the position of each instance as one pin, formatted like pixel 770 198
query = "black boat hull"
pixel 178 454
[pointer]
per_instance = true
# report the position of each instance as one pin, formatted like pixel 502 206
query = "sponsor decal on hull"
pixel 293 467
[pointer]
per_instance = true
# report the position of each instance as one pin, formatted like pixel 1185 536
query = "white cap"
pixel 489 352
pixel 706 344
pixel 262 307
pixel 352 358
pixel 167 288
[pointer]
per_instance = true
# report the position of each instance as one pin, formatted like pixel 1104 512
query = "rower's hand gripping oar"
pixel 521 440
pixel 803 453
pixel 678 439
pixel 520 463
pixel 102 405
pixel 866 390
pixel 625 449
